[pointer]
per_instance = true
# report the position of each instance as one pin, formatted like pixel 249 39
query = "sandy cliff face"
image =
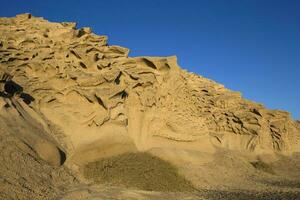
pixel 72 97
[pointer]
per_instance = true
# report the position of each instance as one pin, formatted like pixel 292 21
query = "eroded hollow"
pixel 138 171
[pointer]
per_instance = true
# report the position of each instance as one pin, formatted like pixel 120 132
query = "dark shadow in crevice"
pixel 11 88
pixel 27 98
pixel 123 94
pixel 101 102
pixel 117 80
pixel 63 156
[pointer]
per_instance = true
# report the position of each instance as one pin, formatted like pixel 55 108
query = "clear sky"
pixel 252 46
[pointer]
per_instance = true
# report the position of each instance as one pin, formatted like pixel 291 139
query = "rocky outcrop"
pixel 86 100
pixel 81 84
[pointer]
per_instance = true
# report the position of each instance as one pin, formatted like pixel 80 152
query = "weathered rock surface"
pixel 69 96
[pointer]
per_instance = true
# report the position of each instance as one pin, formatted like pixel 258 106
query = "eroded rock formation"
pixel 90 100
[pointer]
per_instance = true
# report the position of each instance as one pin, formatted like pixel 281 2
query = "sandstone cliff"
pixel 73 99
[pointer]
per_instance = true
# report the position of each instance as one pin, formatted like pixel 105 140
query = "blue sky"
pixel 251 46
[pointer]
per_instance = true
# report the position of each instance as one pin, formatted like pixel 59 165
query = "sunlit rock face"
pixel 92 91
pixel 81 99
